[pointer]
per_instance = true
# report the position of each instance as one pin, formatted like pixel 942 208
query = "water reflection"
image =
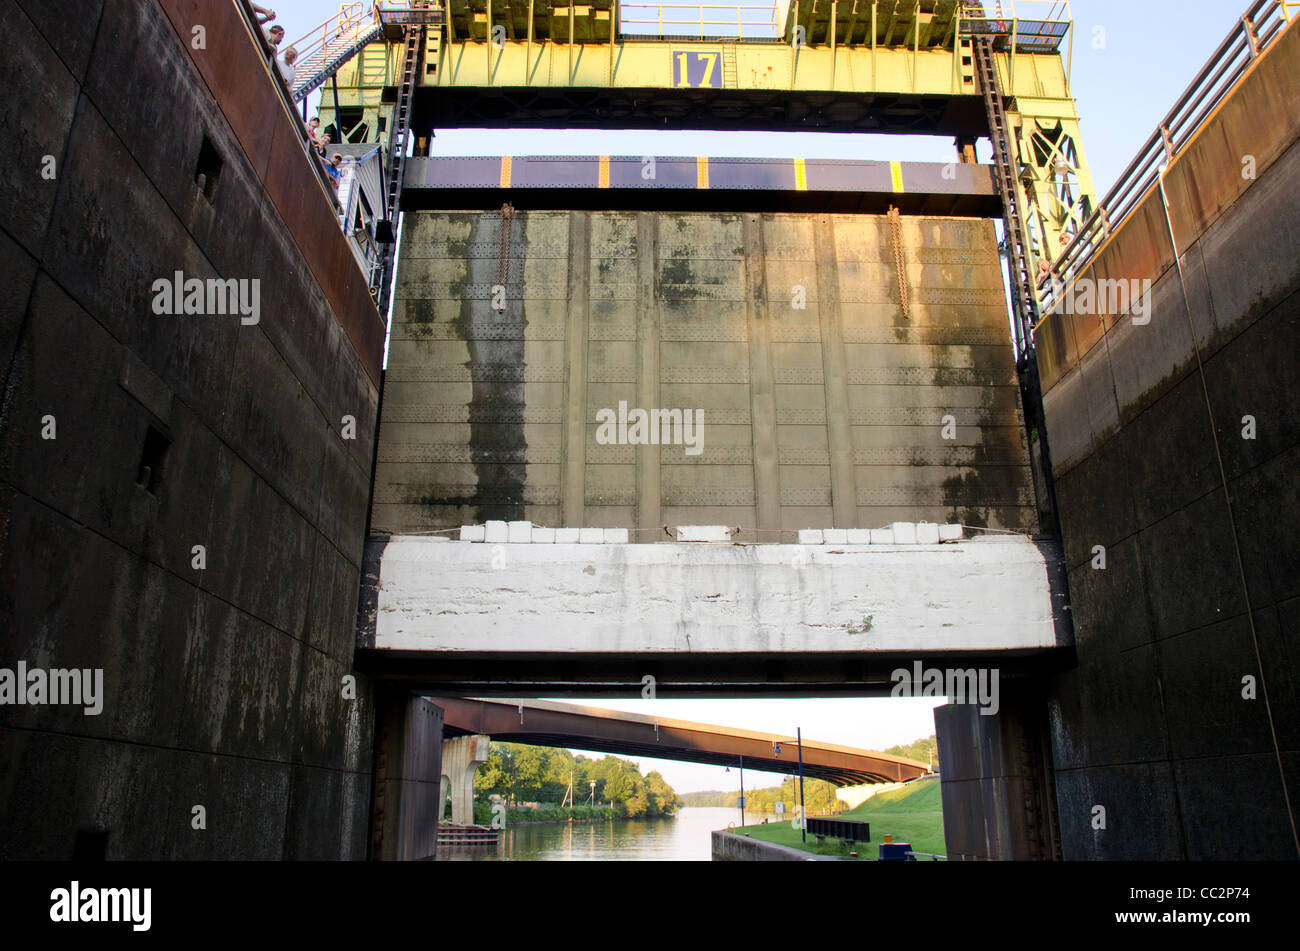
pixel 685 837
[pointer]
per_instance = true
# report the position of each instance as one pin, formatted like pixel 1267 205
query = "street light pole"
pixel 803 811
pixel 742 792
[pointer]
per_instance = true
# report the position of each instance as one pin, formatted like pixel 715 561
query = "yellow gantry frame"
pixel 905 47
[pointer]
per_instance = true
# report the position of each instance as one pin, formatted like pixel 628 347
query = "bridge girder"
pixel 609 731
pixel 851 66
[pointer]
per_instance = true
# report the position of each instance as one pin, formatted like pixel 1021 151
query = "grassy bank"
pixel 912 814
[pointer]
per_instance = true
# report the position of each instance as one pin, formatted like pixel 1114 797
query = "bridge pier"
pixel 998 786
pixel 460 758
pixel 408 767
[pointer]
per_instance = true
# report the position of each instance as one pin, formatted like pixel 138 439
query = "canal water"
pixel 684 837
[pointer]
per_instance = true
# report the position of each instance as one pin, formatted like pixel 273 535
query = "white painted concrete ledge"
pixel 985 594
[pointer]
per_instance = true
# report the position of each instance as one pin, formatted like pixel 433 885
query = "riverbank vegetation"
pixel 925 750
pixel 546 777
pixel 819 798
pixel 912 813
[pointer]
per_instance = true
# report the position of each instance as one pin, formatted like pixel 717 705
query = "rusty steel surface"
pixel 1256 120
pixel 240 82
pixel 541 723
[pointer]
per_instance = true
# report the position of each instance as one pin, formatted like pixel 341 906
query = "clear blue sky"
pixel 1152 49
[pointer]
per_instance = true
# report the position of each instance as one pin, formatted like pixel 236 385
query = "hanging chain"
pixel 896 239
pixel 503 249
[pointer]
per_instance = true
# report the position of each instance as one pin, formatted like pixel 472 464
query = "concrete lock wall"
pixel 1162 747
pixel 823 386
pixel 222 686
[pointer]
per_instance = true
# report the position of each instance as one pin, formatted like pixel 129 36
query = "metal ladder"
pixel 1019 263
pixel 728 64
pixel 1024 295
pixel 401 124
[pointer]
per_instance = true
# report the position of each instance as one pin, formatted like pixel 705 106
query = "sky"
pixel 1132 60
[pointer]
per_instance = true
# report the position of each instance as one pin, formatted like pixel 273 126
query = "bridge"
pixel 545 723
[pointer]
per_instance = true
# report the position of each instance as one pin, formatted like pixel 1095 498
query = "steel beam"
pixel 559 182
pixel 542 723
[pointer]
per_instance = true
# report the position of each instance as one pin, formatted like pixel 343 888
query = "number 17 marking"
pixel 701 66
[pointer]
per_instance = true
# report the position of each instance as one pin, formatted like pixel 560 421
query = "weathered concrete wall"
pixel 987 596
pixel 222 684
pixel 825 415
pixel 1156 726
pixel 730 847
pixel 854 796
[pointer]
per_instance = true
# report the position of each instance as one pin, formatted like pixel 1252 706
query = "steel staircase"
pixel 326 49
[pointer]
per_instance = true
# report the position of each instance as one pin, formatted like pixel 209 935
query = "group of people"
pixel 274 37
pixel 284 64
pixel 320 143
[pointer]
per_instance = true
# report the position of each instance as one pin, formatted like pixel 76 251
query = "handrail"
pixel 1246 42
pixel 700 22
pixel 268 56
pixel 348 18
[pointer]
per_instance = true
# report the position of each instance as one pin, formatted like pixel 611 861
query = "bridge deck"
pixel 544 723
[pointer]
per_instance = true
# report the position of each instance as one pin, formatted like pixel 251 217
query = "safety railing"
pixel 1030 26
pixel 409 14
pixel 671 19
pixel 1044 10
pixel 356 16
pixel 347 20
pixel 268 55
pixel 1253 33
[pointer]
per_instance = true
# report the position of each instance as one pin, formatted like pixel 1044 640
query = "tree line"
pixel 819 797
pixel 923 750
pixel 520 773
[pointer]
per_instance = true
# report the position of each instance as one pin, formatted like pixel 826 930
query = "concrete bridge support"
pixel 999 799
pixel 460 759
pixel 408 766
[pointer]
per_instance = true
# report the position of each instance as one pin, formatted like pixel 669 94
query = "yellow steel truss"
pixel 916 48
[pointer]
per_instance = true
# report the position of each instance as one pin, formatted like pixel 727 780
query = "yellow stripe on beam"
pixel 896 173
pixel 505 171
pixel 604 171
pixel 702 172
pixel 800 175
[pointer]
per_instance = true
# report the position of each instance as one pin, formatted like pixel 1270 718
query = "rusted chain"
pixel 896 239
